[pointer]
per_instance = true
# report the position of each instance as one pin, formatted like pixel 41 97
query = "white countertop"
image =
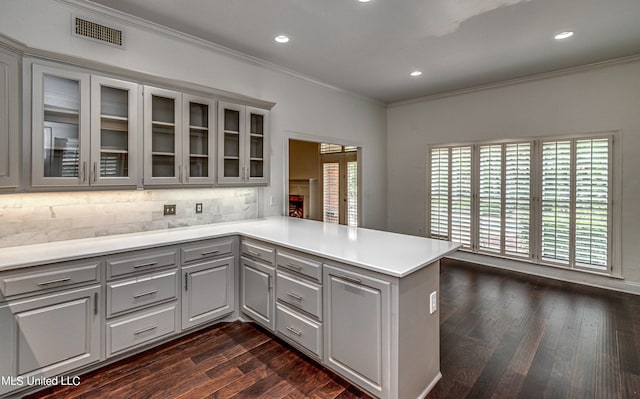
pixel 393 254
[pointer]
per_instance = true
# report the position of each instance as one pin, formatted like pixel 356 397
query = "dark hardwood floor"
pixel 503 335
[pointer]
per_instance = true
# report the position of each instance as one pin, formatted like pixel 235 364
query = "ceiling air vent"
pixel 103 34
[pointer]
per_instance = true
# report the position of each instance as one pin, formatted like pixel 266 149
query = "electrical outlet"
pixel 169 210
pixel 272 200
pixel 433 302
pixel 199 207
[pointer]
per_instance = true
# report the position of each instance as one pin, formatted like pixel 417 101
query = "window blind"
pixel 439 193
pixel 352 193
pixel 556 200
pixel 461 195
pixel 517 199
pixel 331 192
pixel 490 198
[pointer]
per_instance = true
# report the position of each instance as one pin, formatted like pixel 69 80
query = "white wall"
pixel 301 105
pixel 591 100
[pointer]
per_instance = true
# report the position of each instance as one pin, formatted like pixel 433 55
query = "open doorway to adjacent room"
pixel 324 182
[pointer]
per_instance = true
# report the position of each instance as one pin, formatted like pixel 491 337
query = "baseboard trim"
pixel 429 387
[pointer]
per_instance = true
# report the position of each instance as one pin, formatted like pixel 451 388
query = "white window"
pixel 545 201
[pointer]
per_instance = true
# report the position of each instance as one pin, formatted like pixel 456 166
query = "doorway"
pixel 324 182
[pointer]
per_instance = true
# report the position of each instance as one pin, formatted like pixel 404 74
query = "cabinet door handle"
pixel 296 332
pixel 269 282
pixel 351 279
pixel 294 296
pixel 254 253
pixel 83 178
pixel 186 281
pixel 209 252
pixel 293 266
pixel 95 172
pixel 60 280
pixel 145 265
pixel 95 303
pixel 136 296
pixel 144 330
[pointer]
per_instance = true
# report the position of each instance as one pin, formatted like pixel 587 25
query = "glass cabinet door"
pixel 199 139
pixel 114 131
pixel 257 145
pixel 231 120
pixel 9 118
pixel 163 136
pixel 60 127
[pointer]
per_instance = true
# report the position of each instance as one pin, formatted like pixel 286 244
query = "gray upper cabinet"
pixel 9 119
pixel 114 132
pixel 85 129
pixel 199 141
pixel 60 131
pixel 162 136
pixel 243 145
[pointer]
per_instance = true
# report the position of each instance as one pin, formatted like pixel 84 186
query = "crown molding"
pixel 517 81
pixel 141 23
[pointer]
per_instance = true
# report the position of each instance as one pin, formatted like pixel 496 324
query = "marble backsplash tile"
pixel 33 218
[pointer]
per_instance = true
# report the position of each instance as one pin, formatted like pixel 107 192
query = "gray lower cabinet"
pixel 49 334
pixel 257 293
pixel 357 327
pixel 207 291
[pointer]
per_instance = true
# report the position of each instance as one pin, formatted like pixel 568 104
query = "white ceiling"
pixel 370 48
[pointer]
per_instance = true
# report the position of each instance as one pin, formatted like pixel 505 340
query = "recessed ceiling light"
pixel 416 73
pixel 563 35
pixel 282 39
pixel 364 1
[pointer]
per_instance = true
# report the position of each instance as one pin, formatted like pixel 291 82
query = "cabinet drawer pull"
pixel 145 265
pixel 144 330
pixel 294 296
pixel 136 296
pixel 351 279
pixel 254 253
pixel 209 252
pixel 294 266
pixel 60 280
pixel 296 332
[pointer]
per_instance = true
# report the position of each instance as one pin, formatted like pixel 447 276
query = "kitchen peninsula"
pixel 361 302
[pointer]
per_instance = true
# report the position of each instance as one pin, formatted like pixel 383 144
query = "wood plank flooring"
pixel 507 335
pixel 503 335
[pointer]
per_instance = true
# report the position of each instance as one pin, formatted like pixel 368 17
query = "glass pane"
pixel 231 168
pixel 163 139
pixel 61 127
pixel 199 142
pixel 331 192
pixel 231 120
pixel 257 124
pixel 490 198
pixel 114 164
pixel 256 149
pixel 517 199
pixel 199 167
pixel 114 102
pixel 198 115
pixel 352 193
pixel 256 169
pixel 231 145
pixel 162 109
pixel 592 199
pixel 163 166
pixel 556 200
pixel 326 148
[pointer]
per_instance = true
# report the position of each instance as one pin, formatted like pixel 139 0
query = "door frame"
pixel 291 135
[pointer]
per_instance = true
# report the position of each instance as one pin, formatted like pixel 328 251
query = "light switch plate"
pixel 433 302
pixel 199 207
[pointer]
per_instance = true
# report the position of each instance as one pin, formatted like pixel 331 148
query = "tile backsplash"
pixel 33 218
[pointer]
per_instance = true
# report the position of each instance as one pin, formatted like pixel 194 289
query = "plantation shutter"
pixel 517 199
pixel 490 199
pixel 556 201
pixel 331 192
pixel 439 193
pixel 461 195
pixel 591 202
pixel 352 193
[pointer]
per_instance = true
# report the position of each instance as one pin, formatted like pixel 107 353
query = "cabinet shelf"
pixel 201 128
pixel 199 155
pixel 231 132
pixel 164 154
pixel 168 124
pixel 257 135
pixel 231 158
pixel 60 110
pixel 257 159
pixel 113 151
pixel 114 118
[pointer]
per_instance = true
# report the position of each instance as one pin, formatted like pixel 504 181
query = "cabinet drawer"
pixel 258 251
pixel 45 277
pixel 207 249
pixel 299 329
pixel 140 328
pixel 142 291
pixel 303 295
pixel 300 264
pixel 137 262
